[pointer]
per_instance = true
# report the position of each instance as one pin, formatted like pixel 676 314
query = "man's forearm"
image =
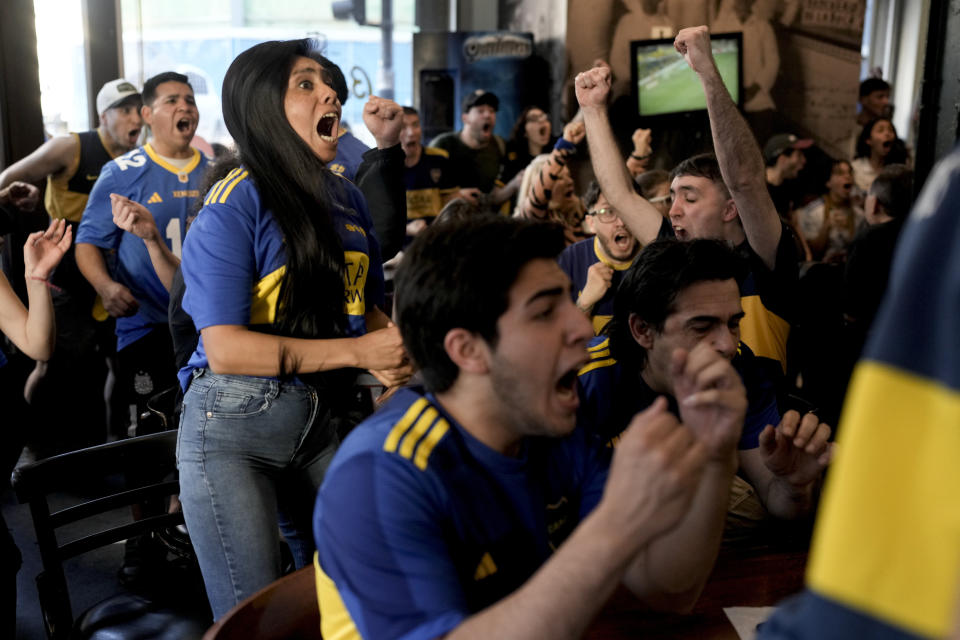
pixel 637 214
pixel 742 168
pixel 787 502
pixel 92 265
pixel 671 572
pixel 564 594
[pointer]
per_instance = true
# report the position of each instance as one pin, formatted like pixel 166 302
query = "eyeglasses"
pixel 605 215
pixel 536 117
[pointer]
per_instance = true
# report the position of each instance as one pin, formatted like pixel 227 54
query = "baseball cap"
pixel 781 142
pixel 479 97
pixel 114 92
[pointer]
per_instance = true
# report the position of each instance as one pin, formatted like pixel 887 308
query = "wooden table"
pixel 742 577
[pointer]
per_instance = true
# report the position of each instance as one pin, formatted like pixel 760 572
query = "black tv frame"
pixel 635 80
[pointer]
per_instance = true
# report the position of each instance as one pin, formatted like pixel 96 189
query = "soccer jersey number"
pixel 174 236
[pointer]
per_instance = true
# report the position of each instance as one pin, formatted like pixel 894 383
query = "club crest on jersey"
pixel 182 177
pixel 435 174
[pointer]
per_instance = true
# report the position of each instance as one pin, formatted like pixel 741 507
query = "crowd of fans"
pixel 723 303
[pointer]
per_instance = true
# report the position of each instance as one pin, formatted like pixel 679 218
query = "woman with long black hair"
pixel 283 281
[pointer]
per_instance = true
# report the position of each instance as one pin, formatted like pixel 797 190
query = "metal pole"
pixel 385 69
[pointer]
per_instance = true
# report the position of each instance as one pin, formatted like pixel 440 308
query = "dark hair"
pixel 519 130
pixel 703 165
pixel 294 184
pixel 149 93
pixel 592 194
pixel 458 274
pixel 336 81
pixel 870 85
pixel 893 188
pixel 651 285
pixel 648 181
pixel 862 148
pixel 410 111
pixel 459 209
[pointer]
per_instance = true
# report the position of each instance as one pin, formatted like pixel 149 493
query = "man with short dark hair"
pixel 428 176
pixel 684 295
pixel 722 197
pixel 476 152
pixel 474 507
pixel 871 254
pixel 159 180
pixel 874 100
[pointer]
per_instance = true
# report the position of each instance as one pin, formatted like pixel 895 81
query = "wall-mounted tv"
pixel 662 82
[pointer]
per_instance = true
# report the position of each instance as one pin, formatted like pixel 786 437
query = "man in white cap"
pixel 71 163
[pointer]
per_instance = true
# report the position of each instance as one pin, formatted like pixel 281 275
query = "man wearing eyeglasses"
pixel 595 266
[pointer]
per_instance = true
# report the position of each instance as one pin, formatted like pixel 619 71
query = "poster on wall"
pixel 496 62
pixel 838 21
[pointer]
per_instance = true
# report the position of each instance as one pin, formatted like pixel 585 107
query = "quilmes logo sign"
pixel 506 45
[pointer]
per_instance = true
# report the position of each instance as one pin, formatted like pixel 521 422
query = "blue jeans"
pixel 251 452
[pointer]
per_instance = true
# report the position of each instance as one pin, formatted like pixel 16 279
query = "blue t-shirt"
pixel 576 261
pixel 349 155
pixel 418 525
pixel 234 261
pixel 610 397
pixel 169 193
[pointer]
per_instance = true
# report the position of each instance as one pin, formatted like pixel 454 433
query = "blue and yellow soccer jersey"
pixel 768 298
pixel 576 261
pixel 349 155
pixel 428 183
pixel 418 525
pixel 234 261
pixel 610 397
pixel 169 193
pixel 885 559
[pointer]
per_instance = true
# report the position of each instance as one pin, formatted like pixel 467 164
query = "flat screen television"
pixel 662 82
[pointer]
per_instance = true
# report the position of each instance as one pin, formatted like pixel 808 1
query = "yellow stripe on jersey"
pixel 600 355
pixel 434 151
pixel 234 182
pixel 896 457
pixel 266 295
pixel 215 190
pixel 763 331
pixel 427 445
pixel 335 620
pixel 605 344
pixel 596 364
pixel 393 438
pixel 413 435
pixel 600 323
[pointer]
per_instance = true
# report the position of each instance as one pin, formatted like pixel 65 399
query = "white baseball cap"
pixel 114 92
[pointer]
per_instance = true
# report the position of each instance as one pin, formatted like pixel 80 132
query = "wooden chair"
pixel 143 463
pixel 286 608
